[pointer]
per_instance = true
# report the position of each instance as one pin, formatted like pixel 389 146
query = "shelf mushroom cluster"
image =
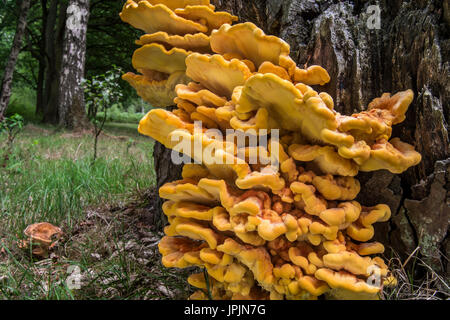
pixel 277 220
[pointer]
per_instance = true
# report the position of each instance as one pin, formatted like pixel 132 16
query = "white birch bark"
pixel 71 104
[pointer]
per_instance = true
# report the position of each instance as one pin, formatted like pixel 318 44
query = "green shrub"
pixel 23 102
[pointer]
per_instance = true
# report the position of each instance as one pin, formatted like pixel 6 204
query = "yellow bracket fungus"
pixel 283 226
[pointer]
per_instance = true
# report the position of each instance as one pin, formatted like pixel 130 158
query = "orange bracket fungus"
pixel 267 206
pixel 41 237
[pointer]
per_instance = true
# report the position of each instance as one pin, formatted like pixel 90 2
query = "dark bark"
pixel 41 74
pixel 409 51
pixel 52 100
pixel 6 84
pixel 53 39
pixel 71 105
pixel 49 57
pixel 166 171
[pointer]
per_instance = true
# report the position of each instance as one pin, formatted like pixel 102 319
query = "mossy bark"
pixel 410 50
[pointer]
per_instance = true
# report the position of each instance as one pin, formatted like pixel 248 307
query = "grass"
pixel 23 102
pixel 426 284
pixel 50 178
pixel 109 248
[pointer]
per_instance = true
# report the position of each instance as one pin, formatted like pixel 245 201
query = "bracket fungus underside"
pixel 283 226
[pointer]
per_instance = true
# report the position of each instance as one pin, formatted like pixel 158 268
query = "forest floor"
pixel 108 250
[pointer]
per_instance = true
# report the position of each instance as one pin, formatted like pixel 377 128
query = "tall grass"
pixel 50 177
pixel 23 102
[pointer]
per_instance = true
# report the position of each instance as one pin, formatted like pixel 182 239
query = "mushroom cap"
pixel 267 178
pixel 397 105
pixel 326 158
pixel 249 42
pixel 192 210
pixel 346 212
pixel 199 95
pixel 344 280
pixel 198 42
pixel 176 4
pixel 313 75
pixel 159 124
pixel 369 248
pixel 155 57
pixel 217 74
pixel 213 20
pixel 154 18
pixel 211 115
pixel 314 204
pixel 192 229
pixel 287 107
pixel 337 188
pixel 395 156
pixel 194 171
pixel 269 67
pixel 180 252
pixel 349 261
pixel 44 233
pixel 259 230
pixel 157 93
pixel 187 190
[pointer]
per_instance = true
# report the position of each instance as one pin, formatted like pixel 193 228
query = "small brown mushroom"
pixel 42 237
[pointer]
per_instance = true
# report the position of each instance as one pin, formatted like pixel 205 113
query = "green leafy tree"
pixel 11 126
pixel 101 92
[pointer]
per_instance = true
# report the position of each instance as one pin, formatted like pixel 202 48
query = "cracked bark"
pixel 409 51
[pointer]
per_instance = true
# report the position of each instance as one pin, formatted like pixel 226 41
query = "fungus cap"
pixel 198 42
pixel 154 18
pixel 217 74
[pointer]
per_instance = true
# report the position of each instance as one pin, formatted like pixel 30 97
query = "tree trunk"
pixel 409 49
pixel 166 171
pixel 50 57
pixel 5 91
pixel 42 63
pixel 71 105
pixel 53 93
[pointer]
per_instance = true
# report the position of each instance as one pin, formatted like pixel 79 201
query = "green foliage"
pixel 102 91
pixel 23 102
pixel 108 43
pixel 12 124
pixel 115 114
pixel 50 178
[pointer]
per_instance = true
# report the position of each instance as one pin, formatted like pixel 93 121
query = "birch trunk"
pixel 71 105
pixel 5 91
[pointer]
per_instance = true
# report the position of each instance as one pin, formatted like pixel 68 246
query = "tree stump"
pixel 408 48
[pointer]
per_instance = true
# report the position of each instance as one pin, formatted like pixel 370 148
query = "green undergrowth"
pixel 50 177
